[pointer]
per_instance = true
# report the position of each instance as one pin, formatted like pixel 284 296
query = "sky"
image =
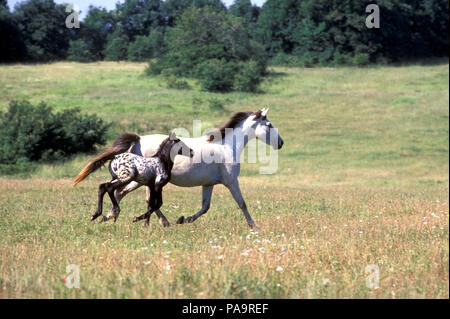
pixel 83 5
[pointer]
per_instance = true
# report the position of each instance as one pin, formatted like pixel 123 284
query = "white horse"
pixel 226 146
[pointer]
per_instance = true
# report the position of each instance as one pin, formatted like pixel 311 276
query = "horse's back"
pixel 186 172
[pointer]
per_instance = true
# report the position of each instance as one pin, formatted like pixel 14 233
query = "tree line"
pixel 308 31
pixel 226 48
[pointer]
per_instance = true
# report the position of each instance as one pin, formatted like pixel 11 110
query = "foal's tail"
pixel 120 145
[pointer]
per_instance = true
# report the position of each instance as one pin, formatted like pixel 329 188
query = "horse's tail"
pixel 120 145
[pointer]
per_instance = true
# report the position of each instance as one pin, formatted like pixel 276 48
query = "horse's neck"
pixel 238 140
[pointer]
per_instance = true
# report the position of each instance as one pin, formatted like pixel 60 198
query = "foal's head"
pixel 173 146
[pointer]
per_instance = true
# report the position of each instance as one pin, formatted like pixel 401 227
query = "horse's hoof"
pixel 254 227
pixel 93 217
pixel 165 223
pixel 135 219
pixel 180 220
pixel 104 219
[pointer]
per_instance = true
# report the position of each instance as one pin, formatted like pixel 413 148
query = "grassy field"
pixel 362 179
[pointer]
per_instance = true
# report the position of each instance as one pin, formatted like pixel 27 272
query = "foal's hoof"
pixel 253 227
pixel 135 219
pixel 94 217
pixel 180 220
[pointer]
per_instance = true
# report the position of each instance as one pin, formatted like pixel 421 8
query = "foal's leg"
pixel 101 193
pixel 120 193
pixel 236 192
pixel 154 204
pixel 162 219
pixel 157 203
pixel 206 202
pixel 110 189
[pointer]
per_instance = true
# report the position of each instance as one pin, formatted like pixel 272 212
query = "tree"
pixel 41 24
pixel 94 30
pixel 12 47
pixel 146 47
pixel 138 17
pixel 245 10
pixel 209 45
pixel 117 45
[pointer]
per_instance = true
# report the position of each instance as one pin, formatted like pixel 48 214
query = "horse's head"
pixel 264 130
pixel 178 147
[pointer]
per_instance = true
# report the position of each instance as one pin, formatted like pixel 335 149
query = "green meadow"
pixel 362 180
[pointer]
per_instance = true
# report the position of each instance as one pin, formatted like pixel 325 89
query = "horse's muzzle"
pixel 280 144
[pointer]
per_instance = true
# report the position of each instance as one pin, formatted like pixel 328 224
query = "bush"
pixel 79 51
pixel 361 59
pixel 248 77
pixel 216 75
pixel 340 59
pixel 175 83
pixel 283 59
pixel 33 133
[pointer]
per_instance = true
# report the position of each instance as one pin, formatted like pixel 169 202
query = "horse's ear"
pixel 264 112
pixel 172 136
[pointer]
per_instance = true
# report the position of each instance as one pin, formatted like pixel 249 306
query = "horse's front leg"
pixel 162 219
pixel 236 192
pixel 206 202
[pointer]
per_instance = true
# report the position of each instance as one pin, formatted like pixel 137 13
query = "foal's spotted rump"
pixel 132 167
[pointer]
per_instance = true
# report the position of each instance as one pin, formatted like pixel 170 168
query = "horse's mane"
pixel 233 122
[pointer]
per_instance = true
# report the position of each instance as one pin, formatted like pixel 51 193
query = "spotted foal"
pixel 154 172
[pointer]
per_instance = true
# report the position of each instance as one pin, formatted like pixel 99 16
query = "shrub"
pixel 79 51
pixel 361 59
pixel 175 83
pixel 340 59
pixel 283 59
pixel 216 75
pixel 248 77
pixel 33 133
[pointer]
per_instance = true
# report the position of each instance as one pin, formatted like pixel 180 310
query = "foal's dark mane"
pixel 233 122
pixel 163 152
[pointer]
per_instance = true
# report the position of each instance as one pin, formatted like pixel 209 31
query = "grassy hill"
pixel 362 179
